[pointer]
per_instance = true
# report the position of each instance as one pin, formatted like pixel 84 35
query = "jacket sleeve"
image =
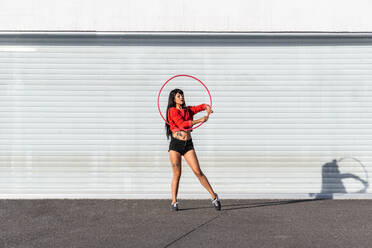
pixel 178 119
pixel 196 109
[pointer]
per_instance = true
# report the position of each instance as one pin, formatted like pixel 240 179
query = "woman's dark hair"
pixel 171 103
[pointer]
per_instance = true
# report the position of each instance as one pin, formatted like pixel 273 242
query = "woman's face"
pixel 178 99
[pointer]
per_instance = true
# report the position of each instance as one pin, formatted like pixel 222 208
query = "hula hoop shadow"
pixel 338 187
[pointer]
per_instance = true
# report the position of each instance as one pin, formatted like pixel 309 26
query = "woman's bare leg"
pixel 193 162
pixel 176 161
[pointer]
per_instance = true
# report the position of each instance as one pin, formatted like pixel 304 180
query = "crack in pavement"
pixel 263 204
pixel 184 235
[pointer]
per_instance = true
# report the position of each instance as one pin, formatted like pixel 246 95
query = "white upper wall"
pixel 186 15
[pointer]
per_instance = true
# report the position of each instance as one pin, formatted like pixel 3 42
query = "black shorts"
pixel 181 146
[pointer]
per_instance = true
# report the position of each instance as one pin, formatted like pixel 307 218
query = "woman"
pixel 180 118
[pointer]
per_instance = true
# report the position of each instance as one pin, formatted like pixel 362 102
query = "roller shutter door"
pixel 78 115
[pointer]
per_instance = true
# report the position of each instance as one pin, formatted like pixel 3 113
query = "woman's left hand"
pixel 209 110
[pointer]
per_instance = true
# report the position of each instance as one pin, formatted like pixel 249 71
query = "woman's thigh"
pixel 193 162
pixel 176 161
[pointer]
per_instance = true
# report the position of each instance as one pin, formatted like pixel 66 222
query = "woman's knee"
pixel 176 168
pixel 176 165
pixel 198 173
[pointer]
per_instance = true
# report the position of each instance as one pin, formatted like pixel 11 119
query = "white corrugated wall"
pixel 78 115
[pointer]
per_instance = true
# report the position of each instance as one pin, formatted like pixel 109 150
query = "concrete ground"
pixel 149 223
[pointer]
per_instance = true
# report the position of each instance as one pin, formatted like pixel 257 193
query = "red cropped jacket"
pixel 180 119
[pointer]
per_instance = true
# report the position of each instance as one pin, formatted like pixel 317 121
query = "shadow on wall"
pixel 332 180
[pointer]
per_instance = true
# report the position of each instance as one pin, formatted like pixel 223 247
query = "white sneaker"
pixel 174 206
pixel 216 203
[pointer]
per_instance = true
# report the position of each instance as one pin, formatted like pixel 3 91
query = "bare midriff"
pixel 182 135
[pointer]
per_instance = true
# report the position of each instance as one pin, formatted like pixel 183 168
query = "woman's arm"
pixel 196 109
pixel 196 121
pixel 203 119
